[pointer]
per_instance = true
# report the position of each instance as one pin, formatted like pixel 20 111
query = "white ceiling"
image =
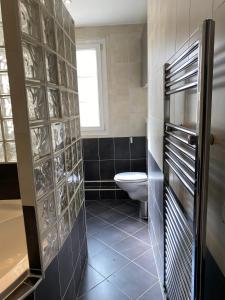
pixel 108 12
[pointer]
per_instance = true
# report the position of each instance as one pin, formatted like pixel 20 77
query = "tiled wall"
pixel 170 23
pixel 127 100
pixel 105 157
pixel 63 275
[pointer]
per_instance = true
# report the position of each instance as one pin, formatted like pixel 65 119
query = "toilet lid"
pixel 131 176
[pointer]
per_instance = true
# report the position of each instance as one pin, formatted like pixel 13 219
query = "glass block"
pixel 71 104
pixel 6 107
pixel 76 104
pixel 67 49
pixel 80 168
pixel 71 179
pixel 4 84
pixel 43 177
pixel 61 199
pixel 77 121
pixel 73 54
pixel 73 129
pixel 48 30
pixel 65 104
pixel 58 136
pixel 74 153
pixel 49 5
pixel 79 150
pixel 40 139
pixel 10 148
pixel 1 137
pixel 50 247
pixel 46 212
pixel 72 30
pixel 62 73
pixel 74 82
pixel 66 19
pixel 8 129
pixel 2 40
pixel 72 210
pixel 54 104
pixel 60 41
pixel 58 11
pixel 69 77
pixel 29 18
pixel 64 227
pixel 67 134
pixel 36 102
pixel 69 161
pixel 2 152
pixel 59 166
pixel 51 67
pixel 77 199
pixel 3 60
pixel 76 177
pixel 33 61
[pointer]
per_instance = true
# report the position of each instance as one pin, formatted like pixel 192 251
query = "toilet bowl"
pixel 134 183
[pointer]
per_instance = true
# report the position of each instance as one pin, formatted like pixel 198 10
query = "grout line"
pixel 148 290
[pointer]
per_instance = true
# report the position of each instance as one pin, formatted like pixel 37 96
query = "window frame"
pixel 100 46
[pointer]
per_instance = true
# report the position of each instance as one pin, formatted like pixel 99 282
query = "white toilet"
pixel 136 185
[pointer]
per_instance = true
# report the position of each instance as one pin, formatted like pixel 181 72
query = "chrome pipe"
pixel 184 66
pixel 182 88
pixel 180 167
pixel 184 151
pixel 182 78
pixel 182 179
pixel 181 128
pixel 185 54
pixel 180 139
pixel 189 166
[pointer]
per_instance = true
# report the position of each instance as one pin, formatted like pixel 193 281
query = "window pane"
pixel 88 87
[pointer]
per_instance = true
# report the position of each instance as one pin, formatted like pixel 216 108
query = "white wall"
pixel 127 99
pixel 170 23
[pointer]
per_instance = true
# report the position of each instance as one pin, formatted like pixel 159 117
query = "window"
pixel 91 71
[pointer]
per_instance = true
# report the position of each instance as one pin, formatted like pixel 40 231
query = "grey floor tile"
pixel 110 235
pixel 147 262
pixel 95 246
pixel 130 225
pixel 112 202
pixel 107 262
pixel 132 280
pixel 104 291
pixel 126 208
pixel 96 209
pixel 89 280
pixel 111 216
pixel 154 293
pixel 143 235
pixel 131 247
pixel 95 224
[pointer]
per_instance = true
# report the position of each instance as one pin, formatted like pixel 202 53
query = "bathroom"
pixel 112 150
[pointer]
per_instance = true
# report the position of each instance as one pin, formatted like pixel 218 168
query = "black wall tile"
pixel 82 225
pixel 77 276
pixel 138 148
pixel 106 148
pixel 75 243
pixel 138 165
pixel 49 288
pixel 122 165
pixel 122 148
pixel 90 149
pixel 107 195
pixel 70 293
pixel 9 183
pixel 65 265
pixel 92 195
pixel 91 170
pixel 121 195
pixel 107 170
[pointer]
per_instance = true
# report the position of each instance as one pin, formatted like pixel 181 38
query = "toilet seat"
pixel 131 177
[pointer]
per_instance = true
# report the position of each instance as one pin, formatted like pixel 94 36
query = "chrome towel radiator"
pixel 185 163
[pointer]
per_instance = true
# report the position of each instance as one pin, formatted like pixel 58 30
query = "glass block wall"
pixel 7 140
pixel 47 44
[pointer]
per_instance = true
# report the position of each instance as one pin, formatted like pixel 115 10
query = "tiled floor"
pixel 120 262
